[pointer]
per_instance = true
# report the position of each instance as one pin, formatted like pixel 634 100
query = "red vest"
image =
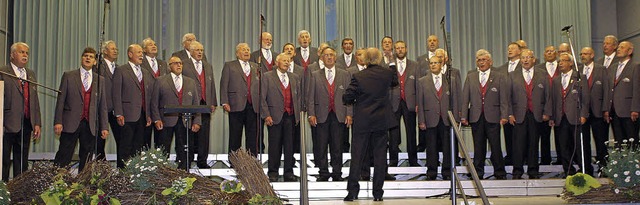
pixel 156 73
pixel 288 101
pixel 180 96
pixel 25 91
pixel 269 65
pixel 483 91
pixel 142 92
pixel 203 87
pixel 331 88
pixel 529 89
pixel 401 79
pixel 564 97
pixel 248 78
pixel 86 100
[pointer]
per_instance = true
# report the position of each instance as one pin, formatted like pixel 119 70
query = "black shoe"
pixel 337 179
pixel 322 179
pixel 350 197
pixel 377 198
pixel 501 177
pixel 204 166
pixel 292 178
pixel 273 178
pixel 446 177
pixel 389 177
pixel 365 178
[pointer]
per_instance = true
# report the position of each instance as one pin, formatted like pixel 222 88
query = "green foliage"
pixel 264 200
pixel 231 186
pixel 142 166
pixel 61 193
pixel 4 194
pixel 179 188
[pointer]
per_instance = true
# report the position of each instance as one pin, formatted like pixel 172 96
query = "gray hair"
pixel 186 35
pixel 14 46
pixel 303 32
pixel 372 56
pixel 483 52
pixel 105 44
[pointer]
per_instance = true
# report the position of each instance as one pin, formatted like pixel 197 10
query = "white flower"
pixel 637 171
pixel 637 166
pixel 617 191
pixel 628 179
pixel 626 173
pixel 142 153
pixel 615 175
pixel 631 139
pixel 614 162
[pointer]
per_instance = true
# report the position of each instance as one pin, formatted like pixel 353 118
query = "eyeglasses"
pixel 179 63
pixel 434 63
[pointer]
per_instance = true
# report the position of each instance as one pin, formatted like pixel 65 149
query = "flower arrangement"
pixel 179 188
pixel 142 166
pixel 580 183
pixel 231 186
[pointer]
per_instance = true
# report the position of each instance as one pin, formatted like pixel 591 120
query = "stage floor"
pixel 534 200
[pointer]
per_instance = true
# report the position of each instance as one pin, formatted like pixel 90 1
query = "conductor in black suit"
pixel 371 120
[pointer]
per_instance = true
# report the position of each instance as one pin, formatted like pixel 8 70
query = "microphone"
pixel 442 21
pixel 566 28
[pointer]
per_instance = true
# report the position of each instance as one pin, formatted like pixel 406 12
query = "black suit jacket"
pixel 371 109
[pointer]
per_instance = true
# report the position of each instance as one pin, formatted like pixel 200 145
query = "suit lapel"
pixel 132 75
pixel 431 86
pixel 77 81
pixel 173 85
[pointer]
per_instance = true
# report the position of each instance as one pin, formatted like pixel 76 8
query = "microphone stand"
pixel 22 83
pixel 98 69
pixel 567 31
pixel 452 141
pixel 259 124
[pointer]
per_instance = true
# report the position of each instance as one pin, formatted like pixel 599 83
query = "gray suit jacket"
pixel 432 108
pixel 576 92
pixel 189 70
pixel 411 76
pixel 598 88
pixel 263 65
pixel 126 92
pixel 163 67
pixel 540 95
pixel 313 56
pixel 624 92
pixel 318 102
pixel 70 103
pixel 165 93
pixel 182 54
pixel 104 71
pixel 600 61
pixel 306 82
pixel 340 60
pixel 496 98
pixel 233 86
pixel 504 68
pixel 13 100
pixel 273 97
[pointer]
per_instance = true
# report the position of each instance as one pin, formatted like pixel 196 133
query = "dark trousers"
pixel 202 139
pixel 507 131
pixel 148 132
pixel 367 162
pixel 131 140
pixel 19 146
pixel 545 145
pixel 377 143
pixel 600 129
pixel 525 143
pixel 68 143
pixel 568 136
pixel 180 132
pixel 296 139
pixel 623 128
pixel 116 130
pixel 345 140
pixel 330 134
pixel 482 132
pixel 395 139
pixel 281 138
pixel 246 119
pixel 422 140
pixel 441 132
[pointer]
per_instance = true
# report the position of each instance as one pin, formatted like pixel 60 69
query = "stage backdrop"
pixel 57 31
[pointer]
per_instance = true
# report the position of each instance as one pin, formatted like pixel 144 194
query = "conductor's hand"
pixel 268 121
pixel 57 129
pixel 226 107
pixel 195 127
pixel 313 121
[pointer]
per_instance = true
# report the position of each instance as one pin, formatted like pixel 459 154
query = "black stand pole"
pixel 567 31
pixel 186 118
pixel 452 136
pixel 100 63
pixel 259 124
